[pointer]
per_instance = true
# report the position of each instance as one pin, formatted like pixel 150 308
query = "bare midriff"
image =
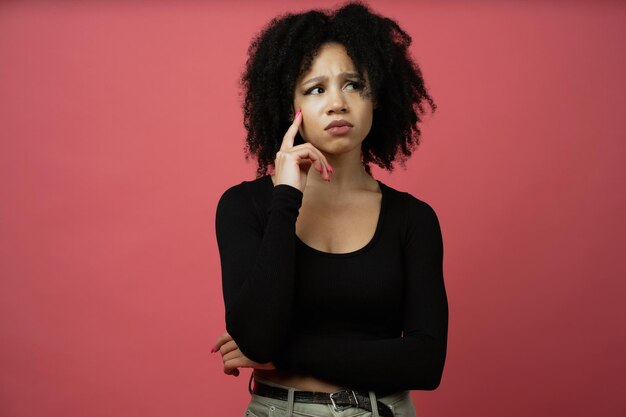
pixel 298 381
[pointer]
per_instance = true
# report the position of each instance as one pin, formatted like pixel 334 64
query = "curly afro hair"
pixel 285 49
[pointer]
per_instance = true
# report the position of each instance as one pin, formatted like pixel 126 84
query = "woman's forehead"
pixel 330 60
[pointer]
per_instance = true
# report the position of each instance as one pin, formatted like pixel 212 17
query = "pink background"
pixel 120 127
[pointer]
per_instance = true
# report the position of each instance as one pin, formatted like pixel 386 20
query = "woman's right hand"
pixel 292 163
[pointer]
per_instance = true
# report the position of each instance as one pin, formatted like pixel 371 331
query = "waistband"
pixel 387 397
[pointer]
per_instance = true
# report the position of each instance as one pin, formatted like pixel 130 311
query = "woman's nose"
pixel 337 102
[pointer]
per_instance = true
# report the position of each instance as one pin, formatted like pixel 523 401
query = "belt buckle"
pixel 341 408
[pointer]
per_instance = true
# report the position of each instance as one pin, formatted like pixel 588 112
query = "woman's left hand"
pixel 233 358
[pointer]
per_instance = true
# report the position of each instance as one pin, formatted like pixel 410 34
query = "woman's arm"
pixel 258 257
pixel 414 361
pixel 257 268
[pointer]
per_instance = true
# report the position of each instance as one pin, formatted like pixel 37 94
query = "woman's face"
pixel 331 90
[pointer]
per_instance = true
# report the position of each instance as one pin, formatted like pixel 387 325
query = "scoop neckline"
pixel 368 245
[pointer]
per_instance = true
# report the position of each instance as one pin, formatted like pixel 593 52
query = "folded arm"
pixel 258 268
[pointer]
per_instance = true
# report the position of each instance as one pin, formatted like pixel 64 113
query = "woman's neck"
pixel 348 174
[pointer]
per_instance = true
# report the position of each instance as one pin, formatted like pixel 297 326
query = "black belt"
pixel 340 400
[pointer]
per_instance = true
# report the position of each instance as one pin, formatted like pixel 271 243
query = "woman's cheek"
pixel 302 130
pixel 302 133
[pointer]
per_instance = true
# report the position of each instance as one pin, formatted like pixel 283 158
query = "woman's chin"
pixel 336 145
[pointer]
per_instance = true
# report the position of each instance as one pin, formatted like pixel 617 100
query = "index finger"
pixel 290 135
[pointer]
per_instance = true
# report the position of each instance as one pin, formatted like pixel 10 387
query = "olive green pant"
pixel 399 402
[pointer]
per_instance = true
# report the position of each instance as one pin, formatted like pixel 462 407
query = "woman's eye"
pixel 315 90
pixel 353 85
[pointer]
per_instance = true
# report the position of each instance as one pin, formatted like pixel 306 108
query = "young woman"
pixel 332 280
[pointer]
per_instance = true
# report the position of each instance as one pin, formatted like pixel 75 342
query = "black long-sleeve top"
pixel 374 319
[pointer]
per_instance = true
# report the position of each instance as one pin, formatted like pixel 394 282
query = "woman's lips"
pixel 339 130
pixel 338 127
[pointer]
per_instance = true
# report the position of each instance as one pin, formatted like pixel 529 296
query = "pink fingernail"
pixel 297 114
pixel 330 168
pixel 212 350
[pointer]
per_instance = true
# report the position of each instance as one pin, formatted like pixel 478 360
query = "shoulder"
pixel 245 191
pixel 402 201
pixel 413 216
pixel 247 196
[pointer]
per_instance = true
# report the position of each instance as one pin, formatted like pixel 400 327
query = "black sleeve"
pixel 258 267
pixel 414 361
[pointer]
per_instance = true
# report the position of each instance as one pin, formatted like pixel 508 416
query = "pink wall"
pixel 120 127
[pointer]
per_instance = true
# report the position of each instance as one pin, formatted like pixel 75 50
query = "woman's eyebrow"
pixel 323 77
pixel 314 80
